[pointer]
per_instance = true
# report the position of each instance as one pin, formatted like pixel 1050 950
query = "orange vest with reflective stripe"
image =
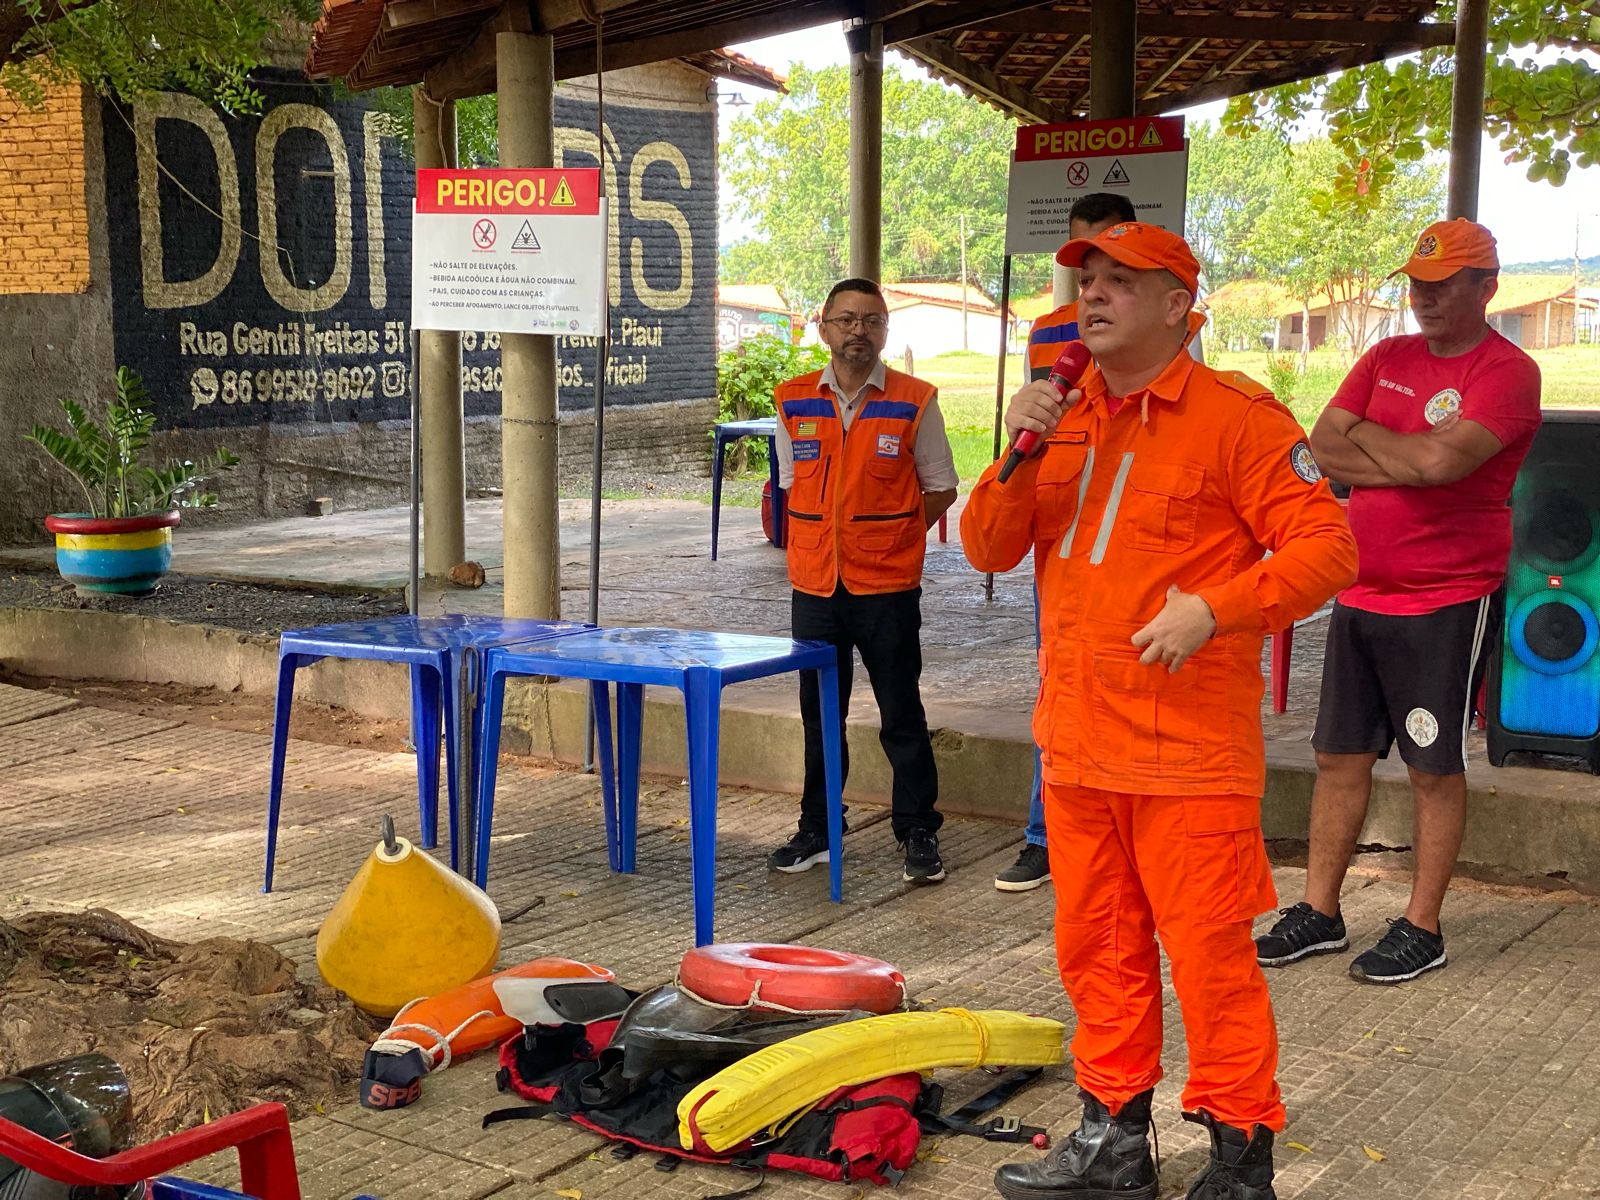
pixel 855 511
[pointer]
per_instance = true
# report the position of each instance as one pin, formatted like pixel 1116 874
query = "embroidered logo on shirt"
pixel 807 450
pixel 1443 404
pixel 808 428
pixel 1396 387
pixel 1422 726
pixel 1305 466
pixel 888 445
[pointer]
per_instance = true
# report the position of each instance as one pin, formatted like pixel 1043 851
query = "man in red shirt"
pixel 1429 429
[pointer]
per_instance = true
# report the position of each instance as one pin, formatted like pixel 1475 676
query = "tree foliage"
pixel 1544 112
pixel 1232 178
pixel 1319 243
pixel 746 378
pixel 125 48
pixel 945 157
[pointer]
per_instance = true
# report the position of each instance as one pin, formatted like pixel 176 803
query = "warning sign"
pixel 525 239
pixel 548 278
pixel 1145 159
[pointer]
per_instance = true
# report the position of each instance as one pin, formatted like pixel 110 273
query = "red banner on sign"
pixel 554 192
pixel 1095 139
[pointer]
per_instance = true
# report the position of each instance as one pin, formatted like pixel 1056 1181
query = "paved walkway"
pixel 1475 1083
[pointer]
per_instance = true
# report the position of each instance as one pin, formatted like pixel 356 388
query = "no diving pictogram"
pixel 483 233
pixel 1077 173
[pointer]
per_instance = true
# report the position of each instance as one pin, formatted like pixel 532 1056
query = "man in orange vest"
pixel 1161 487
pixel 863 455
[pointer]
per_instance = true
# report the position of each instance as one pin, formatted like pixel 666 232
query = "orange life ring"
pixel 801 978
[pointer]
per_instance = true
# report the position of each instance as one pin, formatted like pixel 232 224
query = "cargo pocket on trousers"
pixel 1226 872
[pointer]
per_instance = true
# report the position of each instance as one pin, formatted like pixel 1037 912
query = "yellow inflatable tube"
pixel 759 1091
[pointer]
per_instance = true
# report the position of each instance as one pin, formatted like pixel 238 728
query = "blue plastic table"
pixel 438 650
pixel 728 431
pixel 700 665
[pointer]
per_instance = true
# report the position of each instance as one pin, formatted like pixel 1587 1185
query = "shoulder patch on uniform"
pixel 1304 463
pixel 1239 382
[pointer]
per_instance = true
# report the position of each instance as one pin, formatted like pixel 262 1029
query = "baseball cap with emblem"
pixel 1446 247
pixel 1141 246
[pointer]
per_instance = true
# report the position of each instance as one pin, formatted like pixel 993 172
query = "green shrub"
pixel 1283 373
pixel 746 377
pixel 105 459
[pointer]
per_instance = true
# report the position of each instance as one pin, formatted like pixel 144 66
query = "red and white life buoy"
pixel 794 978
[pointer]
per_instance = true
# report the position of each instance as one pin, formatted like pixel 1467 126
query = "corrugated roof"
pixel 1253 292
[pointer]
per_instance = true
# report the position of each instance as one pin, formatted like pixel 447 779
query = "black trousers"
pixel 886 630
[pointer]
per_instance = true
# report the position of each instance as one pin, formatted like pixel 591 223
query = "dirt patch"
pixel 256 608
pixel 237 710
pixel 201 1029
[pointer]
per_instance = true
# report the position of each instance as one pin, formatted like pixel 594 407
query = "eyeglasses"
pixel 872 322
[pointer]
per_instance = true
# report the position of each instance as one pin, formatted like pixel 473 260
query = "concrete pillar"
pixel 1113 40
pixel 444 521
pixel 1466 107
pixel 525 64
pixel 866 150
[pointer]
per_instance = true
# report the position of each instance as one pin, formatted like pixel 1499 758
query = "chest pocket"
pixel 1162 506
pixel 1059 489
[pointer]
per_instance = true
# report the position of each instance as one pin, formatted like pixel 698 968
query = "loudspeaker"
pixel 1544 682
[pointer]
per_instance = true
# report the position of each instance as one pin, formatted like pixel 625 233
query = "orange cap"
pixel 1140 246
pixel 1445 247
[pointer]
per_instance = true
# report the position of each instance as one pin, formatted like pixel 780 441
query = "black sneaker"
pixel 803 851
pixel 1401 954
pixel 922 857
pixel 1030 870
pixel 1300 932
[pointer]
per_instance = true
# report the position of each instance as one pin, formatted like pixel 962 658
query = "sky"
pixel 1531 221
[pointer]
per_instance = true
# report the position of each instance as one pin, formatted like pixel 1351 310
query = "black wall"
pixel 286 342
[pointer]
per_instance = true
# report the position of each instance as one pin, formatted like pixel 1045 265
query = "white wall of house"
pixel 931 329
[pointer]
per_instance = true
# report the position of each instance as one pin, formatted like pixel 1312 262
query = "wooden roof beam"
pixel 1173 63
pixel 932 20
pixel 984 82
pixel 1261 29
pixel 1067 56
pixel 1223 88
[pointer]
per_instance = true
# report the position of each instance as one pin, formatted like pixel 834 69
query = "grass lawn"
pixel 966 382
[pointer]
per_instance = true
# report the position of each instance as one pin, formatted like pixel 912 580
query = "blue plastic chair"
pixel 729 431
pixel 698 664
pixel 437 650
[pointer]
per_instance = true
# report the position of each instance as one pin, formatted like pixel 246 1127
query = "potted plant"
pixel 123 543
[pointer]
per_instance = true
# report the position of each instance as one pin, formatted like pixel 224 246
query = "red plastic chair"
pixel 260 1134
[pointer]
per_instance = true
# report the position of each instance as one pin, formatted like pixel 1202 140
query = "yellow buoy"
pixel 405 928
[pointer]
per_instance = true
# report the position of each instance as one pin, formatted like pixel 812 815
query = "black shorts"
pixel 1410 680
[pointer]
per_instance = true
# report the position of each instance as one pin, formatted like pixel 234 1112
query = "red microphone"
pixel 1064 376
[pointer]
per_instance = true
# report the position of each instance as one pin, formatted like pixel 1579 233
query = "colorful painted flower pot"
pixel 126 555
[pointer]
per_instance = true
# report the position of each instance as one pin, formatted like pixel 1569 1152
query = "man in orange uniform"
pixel 863 455
pixel 1161 487
pixel 1049 336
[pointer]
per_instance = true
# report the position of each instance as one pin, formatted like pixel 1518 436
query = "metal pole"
pixel 1000 387
pixel 602 360
pixel 413 597
pixel 1466 108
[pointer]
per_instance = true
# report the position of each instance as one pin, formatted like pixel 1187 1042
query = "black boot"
pixel 1240 1166
pixel 1106 1158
